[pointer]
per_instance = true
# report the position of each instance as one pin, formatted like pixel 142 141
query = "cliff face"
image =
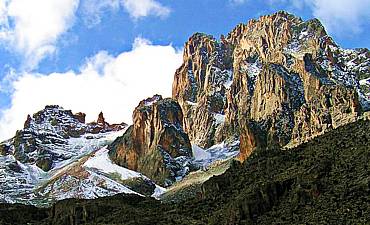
pixel 200 87
pixel 279 76
pixel 155 144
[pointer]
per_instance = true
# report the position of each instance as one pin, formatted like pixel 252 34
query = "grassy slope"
pixel 325 181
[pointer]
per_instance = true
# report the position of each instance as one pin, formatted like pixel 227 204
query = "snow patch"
pixel 199 153
pixel 365 82
pixel 191 103
pixel 219 118
pixel 102 162
pixel 153 100
pixel 158 191
pixel 219 152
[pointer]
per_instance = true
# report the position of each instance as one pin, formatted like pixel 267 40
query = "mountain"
pixel 57 156
pixel 323 181
pixel 277 80
pixel 155 144
pixel 277 93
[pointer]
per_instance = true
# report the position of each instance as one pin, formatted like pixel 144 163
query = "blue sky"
pixel 59 42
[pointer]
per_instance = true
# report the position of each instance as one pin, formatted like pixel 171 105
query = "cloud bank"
pixel 105 82
pixel 93 10
pixel 143 8
pixel 341 15
pixel 32 28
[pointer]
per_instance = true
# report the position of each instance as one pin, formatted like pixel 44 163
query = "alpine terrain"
pixel 267 125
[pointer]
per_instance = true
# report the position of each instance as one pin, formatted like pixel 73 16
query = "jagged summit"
pixel 101 119
pixel 150 101
pixel 55 119
pixel 51 139
pixel 155 144
pixel 44 138
pixel 280 77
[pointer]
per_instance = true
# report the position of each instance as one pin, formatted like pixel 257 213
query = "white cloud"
pixel 143 8
pixel 32 27
pixel 114 85
pixel 93 10
pixel 341 15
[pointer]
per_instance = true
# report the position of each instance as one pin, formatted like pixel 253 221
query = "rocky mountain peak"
pixel 27 123
pixel 277 75
pixel 81 117
pixel 276 81
pixel 45 137
pixel 156 144
pixel 101 119
pixel 150 101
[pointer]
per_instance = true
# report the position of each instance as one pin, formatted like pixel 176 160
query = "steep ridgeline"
pixel 51 140
pixel 155 144
pixel 44 137
pixel 277 80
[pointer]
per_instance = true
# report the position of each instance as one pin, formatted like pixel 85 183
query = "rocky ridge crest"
pixel 156 144
pixel 44 138
pixel 277 80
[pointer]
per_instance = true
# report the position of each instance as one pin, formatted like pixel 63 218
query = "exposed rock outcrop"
pixel 3 149
pixel 44 161
pixel 44 140
pixel 282 74
pixel 156 144
pixel 101 126
pixel 200 86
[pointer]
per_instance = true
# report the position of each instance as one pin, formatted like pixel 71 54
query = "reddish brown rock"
pixel 155 144
pixel 101 119
pixel 102 126
pixel 27 122
pixel 80 117
pixel 283 74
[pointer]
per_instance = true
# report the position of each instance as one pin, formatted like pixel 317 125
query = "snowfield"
pixel 218 152
pixel 102 163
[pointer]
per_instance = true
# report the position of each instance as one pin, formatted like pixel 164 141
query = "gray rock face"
pixel 279 76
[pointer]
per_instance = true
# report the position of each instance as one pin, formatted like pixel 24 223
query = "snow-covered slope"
pixel 219 152
pixel 57 156
pixel 21 181
pixel 211 162
pixel 92 176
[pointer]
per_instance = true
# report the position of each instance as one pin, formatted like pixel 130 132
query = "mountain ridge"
pixel 321 181
pixel 273 83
